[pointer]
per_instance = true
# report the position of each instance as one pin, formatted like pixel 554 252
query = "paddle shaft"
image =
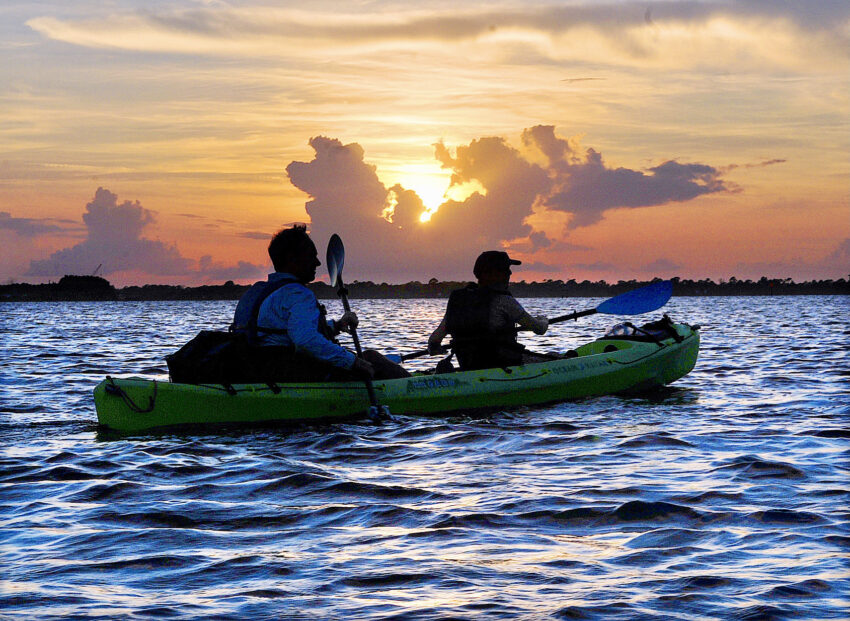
pixel 575 315
pixel 373 398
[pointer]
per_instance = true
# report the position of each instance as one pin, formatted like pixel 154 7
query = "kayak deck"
pixel 137 404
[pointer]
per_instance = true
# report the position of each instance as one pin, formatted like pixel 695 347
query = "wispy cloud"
pixel 597 266
pixel 835 264
pixel 661 266
pixel 34 227
pixel 621 28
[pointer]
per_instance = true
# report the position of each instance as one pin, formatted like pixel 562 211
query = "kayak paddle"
pixel 635 302
pixel 336 259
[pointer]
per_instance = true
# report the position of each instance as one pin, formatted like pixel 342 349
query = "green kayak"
pixel 605 366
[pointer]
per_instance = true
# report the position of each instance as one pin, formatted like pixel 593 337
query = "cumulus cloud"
pixel 115 241
pixel 382 226
pixel 583 185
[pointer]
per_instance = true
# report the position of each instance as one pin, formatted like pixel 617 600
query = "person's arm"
pixel 302 329
pixel 536 323
pixel 435 341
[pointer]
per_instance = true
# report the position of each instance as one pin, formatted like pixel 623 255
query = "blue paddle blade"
pixel 335 258
pixel 639 301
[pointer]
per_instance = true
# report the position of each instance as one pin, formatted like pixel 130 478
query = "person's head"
pixel 291 250
pixel 493 268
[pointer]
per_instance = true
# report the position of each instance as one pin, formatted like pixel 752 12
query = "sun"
pixel 429 181
pixel 433 185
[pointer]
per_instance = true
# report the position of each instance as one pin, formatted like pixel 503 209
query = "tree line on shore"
pixel 70 288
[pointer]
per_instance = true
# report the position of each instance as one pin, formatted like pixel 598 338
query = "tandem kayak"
pixel 606 366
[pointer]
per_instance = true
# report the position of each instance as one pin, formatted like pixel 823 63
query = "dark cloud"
pixel 114 240
pixel 32 227
pixel 537 266
pixel 840 257
pixel 539 239
pixel 256 235
pixel 598 266
pixel 753 165
pixel 242 271
pixel 380 226
pixel 661 266
pixel 565 246
pixel 586 187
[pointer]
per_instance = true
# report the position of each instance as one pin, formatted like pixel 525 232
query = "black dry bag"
pixel 214 358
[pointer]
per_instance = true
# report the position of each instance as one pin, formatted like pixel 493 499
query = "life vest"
pixel 475 344
pixel 248 310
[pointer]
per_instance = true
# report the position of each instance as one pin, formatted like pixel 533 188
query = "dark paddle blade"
pixel 335 258
pixel 643 300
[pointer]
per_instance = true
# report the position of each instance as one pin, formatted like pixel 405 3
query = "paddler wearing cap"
pixel 482 318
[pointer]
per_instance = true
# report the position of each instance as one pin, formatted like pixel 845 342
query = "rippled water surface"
pixel 723 497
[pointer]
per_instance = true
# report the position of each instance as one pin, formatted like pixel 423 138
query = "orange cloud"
pixel 381 225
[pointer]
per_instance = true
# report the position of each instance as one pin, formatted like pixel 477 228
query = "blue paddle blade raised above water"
pixel 335 258
pixel 639 301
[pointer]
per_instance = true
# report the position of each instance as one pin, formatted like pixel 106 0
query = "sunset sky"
pixel 161 141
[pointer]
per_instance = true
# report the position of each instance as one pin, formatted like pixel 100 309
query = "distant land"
pixel 94 288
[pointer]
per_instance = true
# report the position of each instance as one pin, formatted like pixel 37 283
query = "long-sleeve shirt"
pixel 505 312
pixel 294 308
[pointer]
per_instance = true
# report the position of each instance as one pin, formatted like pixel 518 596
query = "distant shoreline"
pixel 93 288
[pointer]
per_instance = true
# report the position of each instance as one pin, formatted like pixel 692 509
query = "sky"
pixel 166 141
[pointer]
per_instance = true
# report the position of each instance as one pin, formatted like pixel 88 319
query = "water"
pixel 722 497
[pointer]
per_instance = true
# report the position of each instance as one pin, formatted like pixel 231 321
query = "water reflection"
pixel 722 496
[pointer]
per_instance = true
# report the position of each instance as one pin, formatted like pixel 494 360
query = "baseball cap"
pixel 493 260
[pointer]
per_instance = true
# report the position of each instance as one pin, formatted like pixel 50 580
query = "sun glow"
pixel 433 186
pixel 429 182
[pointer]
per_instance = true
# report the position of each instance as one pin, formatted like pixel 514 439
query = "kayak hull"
pixel 138 404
